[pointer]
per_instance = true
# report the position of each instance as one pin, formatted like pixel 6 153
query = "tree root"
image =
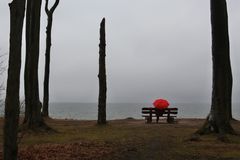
pixel 37 128
pixel 212 127
pixel 234 120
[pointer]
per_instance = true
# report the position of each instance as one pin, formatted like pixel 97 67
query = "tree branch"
pixel 52 8
pixel 46 7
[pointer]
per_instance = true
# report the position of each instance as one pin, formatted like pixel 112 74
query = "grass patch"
pixel 128 139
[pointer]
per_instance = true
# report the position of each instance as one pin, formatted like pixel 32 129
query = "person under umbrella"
pixel 160 104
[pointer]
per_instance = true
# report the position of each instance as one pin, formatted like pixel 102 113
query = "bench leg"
pixel 147 120
pixel 157 119
pixel 170 119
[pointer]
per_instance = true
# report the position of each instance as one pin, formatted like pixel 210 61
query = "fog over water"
pixel 155 48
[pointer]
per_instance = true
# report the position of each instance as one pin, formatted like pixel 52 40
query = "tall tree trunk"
pixel 33 117
pixel 17 8
pixel 218 119
pixel 49 13
pixel 230 84
pixel 102 76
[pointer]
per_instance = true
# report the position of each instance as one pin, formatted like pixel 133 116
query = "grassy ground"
pixel 123 140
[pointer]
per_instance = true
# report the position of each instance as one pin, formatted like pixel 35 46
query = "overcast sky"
pixel 155 48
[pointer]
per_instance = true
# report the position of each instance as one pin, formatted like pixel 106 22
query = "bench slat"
pixel 153 111
pixel 150 112
pixel 162 113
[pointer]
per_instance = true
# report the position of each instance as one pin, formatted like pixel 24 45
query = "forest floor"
pixel 127 139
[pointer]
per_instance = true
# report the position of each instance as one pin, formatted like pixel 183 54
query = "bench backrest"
pixel 148 110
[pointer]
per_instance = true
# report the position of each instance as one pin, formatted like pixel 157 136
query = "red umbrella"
pixel 161 103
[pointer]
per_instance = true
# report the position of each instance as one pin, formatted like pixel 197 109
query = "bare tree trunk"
pixel 102 76
pixel 49 13
pixel 230 84
pixel 17 8
pixel 33 117
pixel 218 119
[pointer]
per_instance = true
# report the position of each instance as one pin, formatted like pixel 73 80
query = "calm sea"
pixel 88 111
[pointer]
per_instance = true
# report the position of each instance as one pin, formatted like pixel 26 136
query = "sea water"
pixel 88 111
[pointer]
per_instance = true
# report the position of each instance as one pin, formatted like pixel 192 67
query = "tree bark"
pixel 17 8
pixel 33 117
pixel 218 120
pixel 45 112
pixel 102 76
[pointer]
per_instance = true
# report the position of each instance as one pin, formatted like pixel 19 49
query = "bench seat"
pixel 150 112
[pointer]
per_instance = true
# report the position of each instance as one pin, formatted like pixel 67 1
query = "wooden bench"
pixel 149 113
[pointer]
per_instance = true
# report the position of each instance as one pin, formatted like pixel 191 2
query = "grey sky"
pixel 155 48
